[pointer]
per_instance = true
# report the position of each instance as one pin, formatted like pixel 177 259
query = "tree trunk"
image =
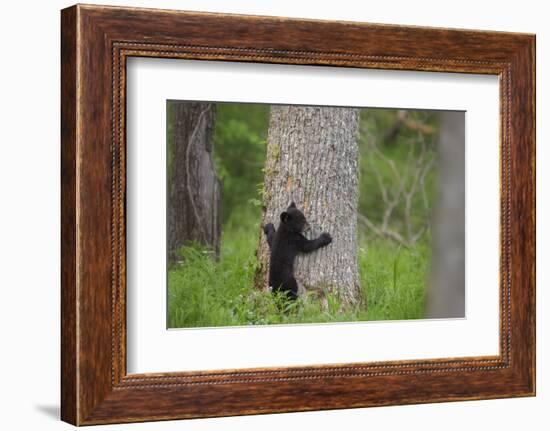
pixel 312 159
pixel 447 291
pixel 193 187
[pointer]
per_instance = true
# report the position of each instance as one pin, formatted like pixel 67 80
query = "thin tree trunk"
pixel 194 189
pixel 447 291
pixel 312 159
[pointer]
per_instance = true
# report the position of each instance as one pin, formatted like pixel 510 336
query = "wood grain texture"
pixel 69 397
pixel 96 41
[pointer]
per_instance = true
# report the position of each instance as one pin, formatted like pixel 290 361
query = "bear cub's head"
pixel 294 220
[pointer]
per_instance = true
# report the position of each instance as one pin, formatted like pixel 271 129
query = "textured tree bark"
pixel 193 187
pixel 447 291
pixel 312 159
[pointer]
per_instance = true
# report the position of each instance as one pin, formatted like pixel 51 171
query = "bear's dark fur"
pixel 284 244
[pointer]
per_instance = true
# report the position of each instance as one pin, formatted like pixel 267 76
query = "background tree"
pixel 446 294
pixel 193 187
pixel 312 159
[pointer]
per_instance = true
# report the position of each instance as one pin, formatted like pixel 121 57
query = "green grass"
pixel 206 293
pixel 393 279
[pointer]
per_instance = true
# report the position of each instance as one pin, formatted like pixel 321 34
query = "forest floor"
pixel 203 292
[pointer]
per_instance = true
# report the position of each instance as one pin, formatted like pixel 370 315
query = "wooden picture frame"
pixel 95 43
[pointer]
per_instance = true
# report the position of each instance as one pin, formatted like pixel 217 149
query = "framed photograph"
pixel 267 215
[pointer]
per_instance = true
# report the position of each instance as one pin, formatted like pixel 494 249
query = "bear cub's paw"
pixel 325 239
pixel 268 228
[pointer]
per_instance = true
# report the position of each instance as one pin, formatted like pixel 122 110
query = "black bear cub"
pixel 285 243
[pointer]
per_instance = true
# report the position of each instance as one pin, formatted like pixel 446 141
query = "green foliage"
pixel 395 163
pixel 239 152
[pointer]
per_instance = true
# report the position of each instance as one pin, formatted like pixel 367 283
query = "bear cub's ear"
pixel 285 217
pixel 292 205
